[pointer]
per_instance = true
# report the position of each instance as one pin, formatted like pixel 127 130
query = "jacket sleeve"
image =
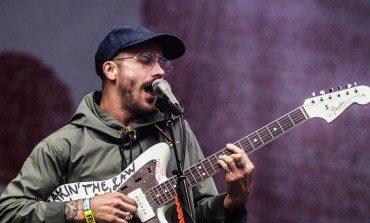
pixel 24 199
pixel 208 203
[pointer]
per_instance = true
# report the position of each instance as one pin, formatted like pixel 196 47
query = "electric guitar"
pixel 144 179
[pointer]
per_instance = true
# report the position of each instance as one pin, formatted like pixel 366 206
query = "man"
pixel 109 131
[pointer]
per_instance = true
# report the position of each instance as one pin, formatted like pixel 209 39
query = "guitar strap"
pixel 166 137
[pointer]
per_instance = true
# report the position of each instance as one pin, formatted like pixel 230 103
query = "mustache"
pixel 146 84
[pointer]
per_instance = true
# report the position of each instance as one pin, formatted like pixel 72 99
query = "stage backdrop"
pixel 250 62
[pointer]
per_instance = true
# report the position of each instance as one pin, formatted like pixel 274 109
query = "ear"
pixel 110 70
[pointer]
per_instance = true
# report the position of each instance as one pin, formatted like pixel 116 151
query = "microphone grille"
pixel 159 85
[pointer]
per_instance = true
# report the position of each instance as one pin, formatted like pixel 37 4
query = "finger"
pixel 236 156
pixel 125 207
pixel 126 216
pixel 126 199
pixel 233 148
pixel 236 150
pixel 230 161
pixel 224 166
pixel 237 153
pixel 227 159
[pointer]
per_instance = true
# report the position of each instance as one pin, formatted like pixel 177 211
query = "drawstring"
pixel 123 158
pixel 128 143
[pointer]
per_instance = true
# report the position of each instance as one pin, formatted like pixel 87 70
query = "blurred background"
pixel 248 62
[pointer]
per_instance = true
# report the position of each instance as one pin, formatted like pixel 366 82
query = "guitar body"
pixel 144 173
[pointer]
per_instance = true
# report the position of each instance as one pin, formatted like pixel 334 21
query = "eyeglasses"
pixel 148 61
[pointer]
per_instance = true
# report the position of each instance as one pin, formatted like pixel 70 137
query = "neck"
pixel 111 103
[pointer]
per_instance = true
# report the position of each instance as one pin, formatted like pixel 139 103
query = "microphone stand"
pixel 182 191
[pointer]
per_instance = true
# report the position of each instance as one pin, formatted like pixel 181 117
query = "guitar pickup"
pixel 145 211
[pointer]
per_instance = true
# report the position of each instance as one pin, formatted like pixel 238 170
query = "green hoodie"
pixel 93 147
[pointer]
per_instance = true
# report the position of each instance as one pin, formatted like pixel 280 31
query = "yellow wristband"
pixel 89 217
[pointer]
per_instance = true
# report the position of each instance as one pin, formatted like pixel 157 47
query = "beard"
pixel 132 101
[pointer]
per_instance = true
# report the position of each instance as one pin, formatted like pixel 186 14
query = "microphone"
pixel 161 88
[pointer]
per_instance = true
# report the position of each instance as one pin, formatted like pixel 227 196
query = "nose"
pixel 158 70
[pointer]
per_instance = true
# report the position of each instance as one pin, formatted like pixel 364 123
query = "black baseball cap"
pixel 124 37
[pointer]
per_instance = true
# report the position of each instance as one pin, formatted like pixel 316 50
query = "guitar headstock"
pixel 330 105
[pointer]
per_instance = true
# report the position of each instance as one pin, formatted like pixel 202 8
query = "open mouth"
pixel 148 88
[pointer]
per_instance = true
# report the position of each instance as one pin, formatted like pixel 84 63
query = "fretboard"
pixel 166 191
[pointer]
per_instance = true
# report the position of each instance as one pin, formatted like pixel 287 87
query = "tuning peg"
pixel 331 90
pixel 322 92
pixel 348 86
pixel 355 84
pixel 339 87
pixel 314 94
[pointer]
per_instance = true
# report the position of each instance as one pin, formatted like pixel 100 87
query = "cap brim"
pixel 172 46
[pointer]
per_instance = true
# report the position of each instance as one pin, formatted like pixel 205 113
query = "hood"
pixel 90 115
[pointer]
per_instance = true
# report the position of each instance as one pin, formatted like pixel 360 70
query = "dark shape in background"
pixel 34 103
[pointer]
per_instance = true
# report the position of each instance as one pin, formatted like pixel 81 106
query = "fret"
pixel 291 119
pixel 255 140
pixel 247 146
pixel 250 142
pixel 152 194
pixel 258 136
pixel 285 123
pixel 171 188
pixel 265 135
pixel 149 197
pixel 298 116
pixel 294 116
pixel 239 145
pixel 173 184
pixel 226 152
pixel 280 125
pixel 202 171
pixel 158 195
pixel 213 161
pixel 190 177
pixel 213 169
pixel 187 181
pixel 195 174
pixel 164 192
pixel 266 127
pixel 275 129
pixel 304 113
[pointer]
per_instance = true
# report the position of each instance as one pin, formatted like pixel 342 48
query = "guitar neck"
pixel 209 166
pixel 250 143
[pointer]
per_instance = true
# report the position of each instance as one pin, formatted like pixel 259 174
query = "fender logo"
pixel 337 108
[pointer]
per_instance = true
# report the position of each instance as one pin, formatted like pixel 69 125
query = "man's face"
pixel 135 79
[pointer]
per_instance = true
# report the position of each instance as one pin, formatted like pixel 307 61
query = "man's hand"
pixel 239 172
pixel 107 208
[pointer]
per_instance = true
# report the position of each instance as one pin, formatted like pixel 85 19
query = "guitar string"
pixel 296 117
pixel 289 121
pixel 285 124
